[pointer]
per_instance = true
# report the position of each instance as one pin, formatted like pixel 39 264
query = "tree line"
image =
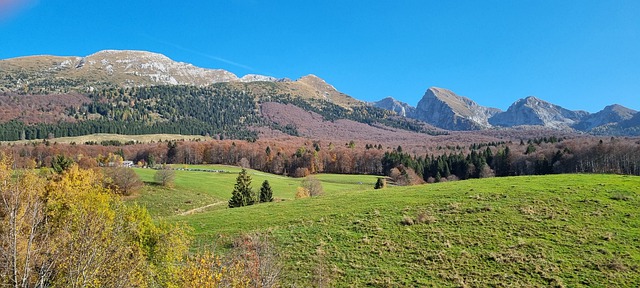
pixel 300 159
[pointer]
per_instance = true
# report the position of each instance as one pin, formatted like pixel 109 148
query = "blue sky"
pixel 578 54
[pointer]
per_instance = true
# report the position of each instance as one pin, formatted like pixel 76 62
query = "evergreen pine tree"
pixel 242 194
pixel 381 183
pixel 266 194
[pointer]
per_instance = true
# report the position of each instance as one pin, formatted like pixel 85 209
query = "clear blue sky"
pixel 579 54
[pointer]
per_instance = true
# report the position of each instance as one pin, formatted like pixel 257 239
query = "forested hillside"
pixel 222 110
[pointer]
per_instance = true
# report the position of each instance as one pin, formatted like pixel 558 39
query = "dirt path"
pixel 200 209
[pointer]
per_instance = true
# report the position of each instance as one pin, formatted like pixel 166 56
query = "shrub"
pixel 123 180
pixel 313 186
pixel 424 217
pixel 407 220
pixel 301 192
pixel 165 176
pixel 301 172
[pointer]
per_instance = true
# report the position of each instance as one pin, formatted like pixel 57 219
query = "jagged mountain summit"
pixel 609 115
pixel 444 109
pixel 627 126
pixel 533 111
pixel 399 107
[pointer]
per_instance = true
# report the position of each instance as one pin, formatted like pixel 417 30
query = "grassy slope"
pixel 197 189
pixel 523 231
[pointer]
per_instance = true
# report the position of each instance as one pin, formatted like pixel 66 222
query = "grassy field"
pixel 558 230
pixel 195 189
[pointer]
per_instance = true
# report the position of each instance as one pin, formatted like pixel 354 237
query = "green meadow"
pixel 557 230
pixel 195 189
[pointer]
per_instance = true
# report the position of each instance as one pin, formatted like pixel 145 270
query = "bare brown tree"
pixel 165 176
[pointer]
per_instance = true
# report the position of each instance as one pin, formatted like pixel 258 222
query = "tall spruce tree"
pixel 266 194
pixel 242 194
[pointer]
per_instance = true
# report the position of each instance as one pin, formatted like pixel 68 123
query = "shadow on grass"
pixel 152 184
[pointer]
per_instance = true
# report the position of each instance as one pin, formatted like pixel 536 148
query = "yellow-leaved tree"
pixel 67 230
pixel 21 217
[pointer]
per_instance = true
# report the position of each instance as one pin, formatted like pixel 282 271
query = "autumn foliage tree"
pixel 165 176
pixel 313 186
pixel 123 180
pixel 67 230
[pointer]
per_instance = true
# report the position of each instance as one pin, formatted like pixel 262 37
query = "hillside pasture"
pixel 198 189
pixel 557 230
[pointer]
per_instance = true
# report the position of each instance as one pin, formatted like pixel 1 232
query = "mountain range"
pixel 444 109
pixel 440 108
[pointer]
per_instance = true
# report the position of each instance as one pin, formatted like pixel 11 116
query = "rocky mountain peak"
pixel 401 108
pixel 621 110
pixel 131 54
pixel 324 89
pixel 313 80
pixel 257 78
pixel 609 115
pixel 444 109
pixel 534 111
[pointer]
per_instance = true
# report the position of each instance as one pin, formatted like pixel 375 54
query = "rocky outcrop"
pixel 533 111
pixel 401 108
pixel 124 68
pixel 609 115
pixel 128 68
pixel 444 109
pixel 628 127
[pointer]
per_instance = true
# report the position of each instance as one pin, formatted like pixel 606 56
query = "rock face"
pixel 628 127
pixel 152 67
pixel 401 108
pixel 444 109
pixel 116 67
pixel 609 115
pixel 533 111
pixel 124 68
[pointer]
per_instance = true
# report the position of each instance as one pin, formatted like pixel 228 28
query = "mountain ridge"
pixel 439 107
pixel 447 110
pixel 133 68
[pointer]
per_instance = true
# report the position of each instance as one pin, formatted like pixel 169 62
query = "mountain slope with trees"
pixel 45 96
